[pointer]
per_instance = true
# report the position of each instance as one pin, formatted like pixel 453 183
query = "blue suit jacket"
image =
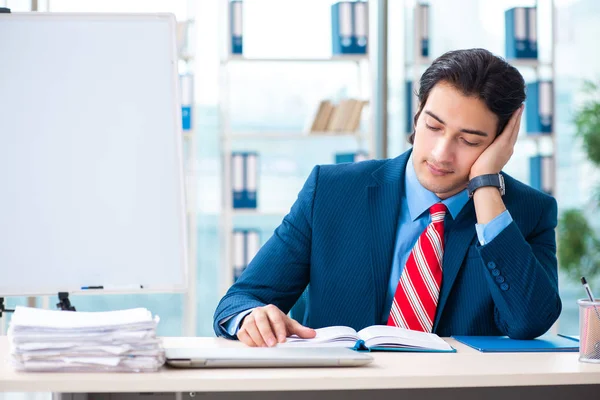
pixel 340 234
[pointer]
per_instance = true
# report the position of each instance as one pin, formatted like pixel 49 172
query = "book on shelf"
pixel 422 16
pixel 186 95
pixel 539 108
pixel 236 26
pixel 532 32
pixel 541 173
pixel 408 106
pixel 322 116
pixel 373 338
pixel 340 115
pixel 351 157
pixel 349 27
pixel 343 117
pixel 244 178
pixel 360 34
pixel 245 245
pixel 185 43
pixel 353 119
pixel 521 33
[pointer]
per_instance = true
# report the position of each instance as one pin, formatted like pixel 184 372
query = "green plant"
pixel 579 247
pixel 578 243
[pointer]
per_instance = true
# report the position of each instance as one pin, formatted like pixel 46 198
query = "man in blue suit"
pixel 354 227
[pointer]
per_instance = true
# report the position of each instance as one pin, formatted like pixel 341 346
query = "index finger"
pixel 277 320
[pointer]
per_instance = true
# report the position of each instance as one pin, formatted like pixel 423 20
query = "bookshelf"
pixel 346 58
pixel 185 51
pixel 417 56
pixel 542 155
pixel 258 141
pixel 534 69
pixel 295 135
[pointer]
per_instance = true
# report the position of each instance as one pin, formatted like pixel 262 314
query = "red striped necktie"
pixel 416 297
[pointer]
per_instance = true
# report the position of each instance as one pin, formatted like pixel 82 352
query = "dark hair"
pixel 478 73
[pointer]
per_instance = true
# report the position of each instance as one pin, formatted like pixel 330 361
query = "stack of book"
pixel 66 341
pixel 343 117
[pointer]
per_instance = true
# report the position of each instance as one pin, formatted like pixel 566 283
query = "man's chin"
pixel 444 190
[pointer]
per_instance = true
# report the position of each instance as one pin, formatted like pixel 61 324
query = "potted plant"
pixel 578 242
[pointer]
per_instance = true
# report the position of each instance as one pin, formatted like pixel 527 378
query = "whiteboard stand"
pixel 3 312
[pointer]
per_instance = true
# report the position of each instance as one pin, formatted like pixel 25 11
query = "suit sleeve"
pixel 280 271
pixel 522 276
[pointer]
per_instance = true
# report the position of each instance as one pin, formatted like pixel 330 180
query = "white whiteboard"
pixel 91 174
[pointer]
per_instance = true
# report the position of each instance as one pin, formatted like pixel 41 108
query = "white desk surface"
pixel 466 368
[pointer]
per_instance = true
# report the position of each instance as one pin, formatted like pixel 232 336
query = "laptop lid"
pixel 265 357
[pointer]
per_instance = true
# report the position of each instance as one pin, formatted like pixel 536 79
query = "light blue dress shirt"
pixel 414 218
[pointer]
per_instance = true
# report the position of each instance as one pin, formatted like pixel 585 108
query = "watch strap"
pixel 495 180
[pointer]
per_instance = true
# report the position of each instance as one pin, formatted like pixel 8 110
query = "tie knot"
pixel 438 212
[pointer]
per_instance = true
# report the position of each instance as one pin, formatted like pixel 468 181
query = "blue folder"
pixel 503 344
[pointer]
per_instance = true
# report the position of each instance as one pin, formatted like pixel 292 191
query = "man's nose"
pixel 443 151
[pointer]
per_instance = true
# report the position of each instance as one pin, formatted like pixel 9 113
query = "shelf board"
pixel 528 63
pixel 349 58
pixel 292 135
pixel 536 136
pixel 251 212
pixel 421 62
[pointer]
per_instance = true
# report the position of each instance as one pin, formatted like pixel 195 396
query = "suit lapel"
pixel 458 240
pixel 383 199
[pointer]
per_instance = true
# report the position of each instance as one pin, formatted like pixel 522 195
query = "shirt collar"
pixel 420 199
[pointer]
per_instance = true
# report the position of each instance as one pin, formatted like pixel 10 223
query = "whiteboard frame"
pixel 183 287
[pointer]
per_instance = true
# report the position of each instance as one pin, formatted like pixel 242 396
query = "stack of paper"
pixel 114 341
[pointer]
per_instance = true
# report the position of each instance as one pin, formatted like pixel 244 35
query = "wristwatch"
pixel 496 180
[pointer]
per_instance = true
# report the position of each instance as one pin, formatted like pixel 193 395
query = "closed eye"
pixel 432 128
pixel 469 143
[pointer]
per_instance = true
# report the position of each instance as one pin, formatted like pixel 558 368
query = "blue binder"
pixel 535 172
pixel 350 157
pixel 244 177
pixel 186 96
pixel 341 28
pixel 408 106
pixel 236 29
pixel 532 46
pixel 503 344
pixel 246 243
pixel 360 27
pixel 250 180
pixel 540 173
pixel 517 36
pixel 238 256
pixel 539 108
pixel 423 15
pixel 237 179
pixel 186 117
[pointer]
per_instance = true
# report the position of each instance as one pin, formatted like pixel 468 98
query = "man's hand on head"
pixel 495 157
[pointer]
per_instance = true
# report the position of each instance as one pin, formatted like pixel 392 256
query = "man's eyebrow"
pixel 471 131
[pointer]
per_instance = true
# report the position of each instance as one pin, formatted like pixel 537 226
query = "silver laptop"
pixel 265 357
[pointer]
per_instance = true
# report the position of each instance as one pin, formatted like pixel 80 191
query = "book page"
pixel 342 336
pixel 391 336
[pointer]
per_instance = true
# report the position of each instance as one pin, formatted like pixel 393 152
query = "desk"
pixel 465 374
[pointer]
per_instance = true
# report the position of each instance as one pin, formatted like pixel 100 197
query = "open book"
pixel 376 337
